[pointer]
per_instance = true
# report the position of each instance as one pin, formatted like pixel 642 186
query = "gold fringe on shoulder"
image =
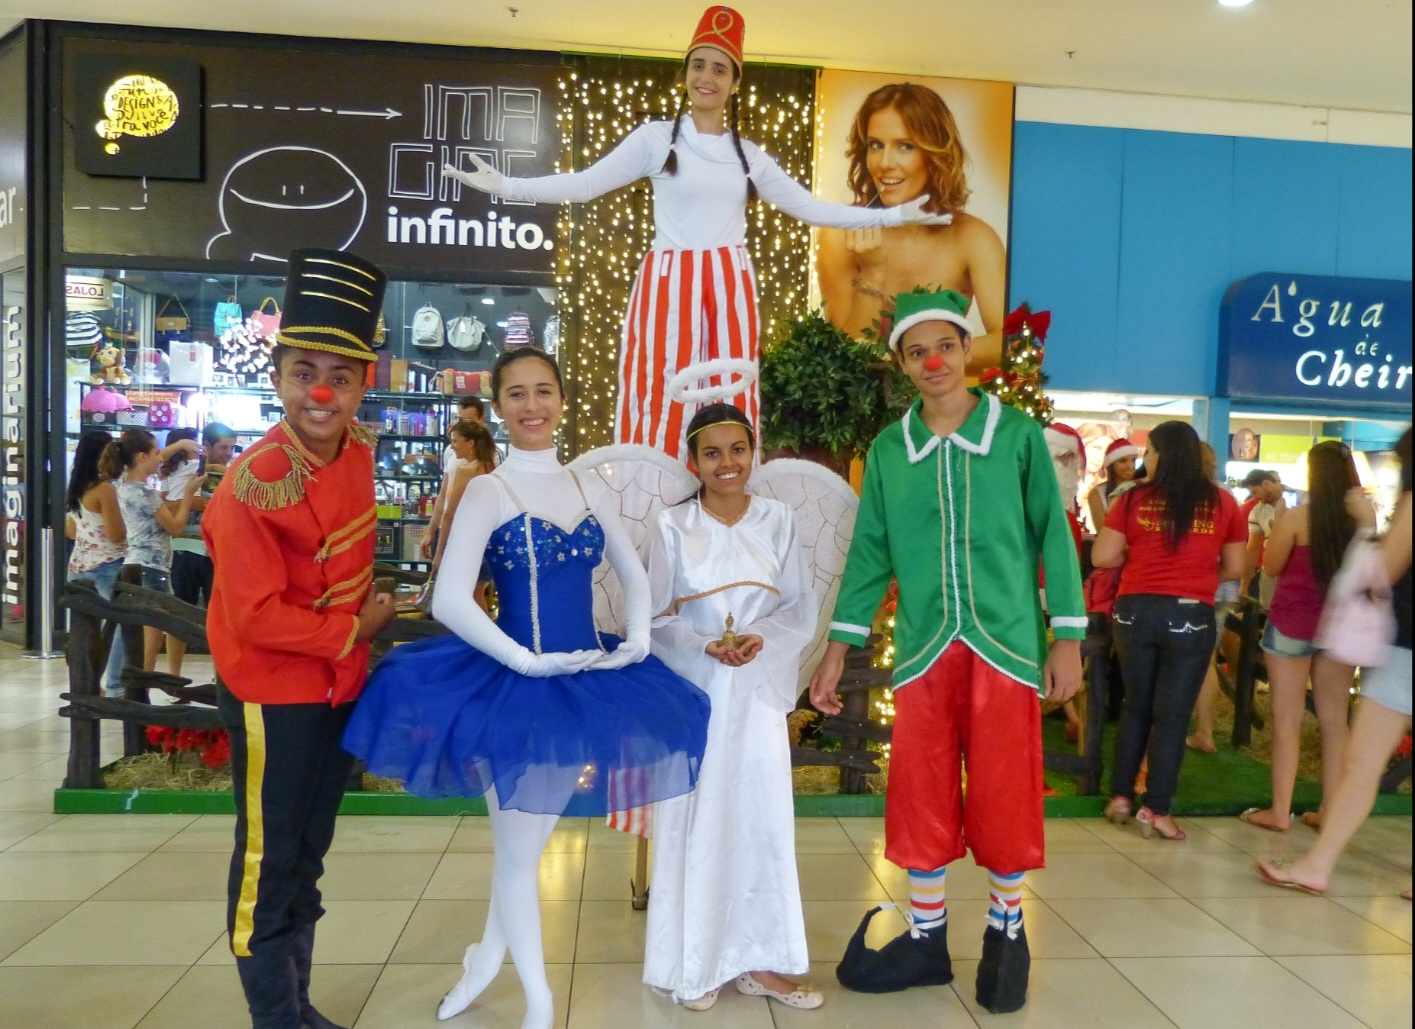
pixel 286 491
pixel 363 434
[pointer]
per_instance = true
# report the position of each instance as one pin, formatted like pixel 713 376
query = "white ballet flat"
pixel 802 997
pixel 702 1003
pixel 460 997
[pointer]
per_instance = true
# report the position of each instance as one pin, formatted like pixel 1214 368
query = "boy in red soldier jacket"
pixel 290 532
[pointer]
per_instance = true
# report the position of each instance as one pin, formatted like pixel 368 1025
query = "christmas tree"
pixel 1019 379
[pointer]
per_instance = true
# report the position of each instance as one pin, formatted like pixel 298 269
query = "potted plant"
pixel 825 397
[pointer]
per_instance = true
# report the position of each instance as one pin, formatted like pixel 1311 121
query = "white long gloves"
pixel 911 212
pixel 484 178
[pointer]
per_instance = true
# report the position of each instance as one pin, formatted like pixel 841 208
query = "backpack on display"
pixel 427 328
pixel 518 331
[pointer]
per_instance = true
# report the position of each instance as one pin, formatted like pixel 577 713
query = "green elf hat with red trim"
pixel 941 305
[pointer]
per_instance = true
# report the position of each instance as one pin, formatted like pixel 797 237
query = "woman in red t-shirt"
pixel 1176 536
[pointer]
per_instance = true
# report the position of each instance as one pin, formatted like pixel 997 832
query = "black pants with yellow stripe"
pixel 288 771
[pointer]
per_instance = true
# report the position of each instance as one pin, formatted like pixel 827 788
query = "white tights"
pixel 512 919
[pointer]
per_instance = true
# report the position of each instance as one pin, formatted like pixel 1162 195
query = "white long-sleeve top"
pixel 703 205
pixel 549 491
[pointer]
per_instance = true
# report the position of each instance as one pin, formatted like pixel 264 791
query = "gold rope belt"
pixel 730 586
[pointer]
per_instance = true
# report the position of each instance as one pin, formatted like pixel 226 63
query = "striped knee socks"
pixel 928 906
pixel 1005 901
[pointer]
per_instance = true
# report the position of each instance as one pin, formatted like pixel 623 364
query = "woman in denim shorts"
pixel 1303 554
pixel 1382 719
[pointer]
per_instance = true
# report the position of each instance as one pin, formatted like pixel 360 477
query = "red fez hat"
pixel 721 27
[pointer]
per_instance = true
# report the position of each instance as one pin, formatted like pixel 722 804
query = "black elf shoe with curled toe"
pixel 914 958
pixel 1004 971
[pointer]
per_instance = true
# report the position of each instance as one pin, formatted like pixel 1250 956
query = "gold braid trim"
pixel 349 643
pixel 677 604
pixel 342 539
pixel 363 434
pixel 286 491
pixel 346 590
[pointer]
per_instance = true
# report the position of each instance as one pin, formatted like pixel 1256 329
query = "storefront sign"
pixel 12 456
pixel 88 293
pixel 12 152
pixel 323 149
pixel 138 116
pixel 1314 339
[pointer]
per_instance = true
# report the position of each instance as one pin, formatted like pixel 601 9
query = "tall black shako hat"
pixel 332 302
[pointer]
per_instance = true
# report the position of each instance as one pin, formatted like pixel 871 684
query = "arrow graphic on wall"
pixel 386 114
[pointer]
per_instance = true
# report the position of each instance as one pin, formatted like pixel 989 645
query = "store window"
pixel 172 349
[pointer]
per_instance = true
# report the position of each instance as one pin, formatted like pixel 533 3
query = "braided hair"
pixel 670 165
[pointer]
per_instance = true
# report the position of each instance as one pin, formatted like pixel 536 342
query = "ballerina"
pixel 537 710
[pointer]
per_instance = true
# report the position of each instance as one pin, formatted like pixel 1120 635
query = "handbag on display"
pixel 466 332
pixel 427 328
pixel 168 328
pixel 518 331
pixel 161 415
pixel 227 316
pixel 1358 619
pixel 269 323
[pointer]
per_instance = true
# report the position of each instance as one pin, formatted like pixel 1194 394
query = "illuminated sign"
pixel 137 117
pixel 137 105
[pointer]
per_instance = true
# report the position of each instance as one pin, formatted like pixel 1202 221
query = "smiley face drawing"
pixel 280 198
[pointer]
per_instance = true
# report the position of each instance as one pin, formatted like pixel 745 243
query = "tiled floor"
pixel 115 922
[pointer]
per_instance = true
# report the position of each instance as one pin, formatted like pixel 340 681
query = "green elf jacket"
pixel 960 523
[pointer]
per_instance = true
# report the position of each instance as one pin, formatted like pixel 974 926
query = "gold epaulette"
pixel 279 482
pixel 364 435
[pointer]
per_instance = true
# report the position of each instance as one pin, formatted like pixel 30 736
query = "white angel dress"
pixel 725 894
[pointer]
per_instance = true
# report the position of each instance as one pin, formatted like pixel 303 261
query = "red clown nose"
pixel 933 363
pixel 321 394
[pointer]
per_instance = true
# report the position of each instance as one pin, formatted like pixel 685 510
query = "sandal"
pixel 1278 873
pixel 1247 816
pixel 802 997
pixel 1118 811
pixel 1149 829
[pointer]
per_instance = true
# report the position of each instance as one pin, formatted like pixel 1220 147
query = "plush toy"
pixel 154 367
pixel 110 366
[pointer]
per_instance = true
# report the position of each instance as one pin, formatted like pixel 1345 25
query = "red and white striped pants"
pixel 687 308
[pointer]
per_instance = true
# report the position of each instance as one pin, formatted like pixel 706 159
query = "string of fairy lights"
pixel 603 99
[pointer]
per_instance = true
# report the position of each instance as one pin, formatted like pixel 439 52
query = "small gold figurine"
pixel 729 638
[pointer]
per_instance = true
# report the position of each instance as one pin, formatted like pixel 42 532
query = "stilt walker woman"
pixel 690 334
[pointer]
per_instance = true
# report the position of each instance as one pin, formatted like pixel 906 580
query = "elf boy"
pixel 960 505
pixel 290 533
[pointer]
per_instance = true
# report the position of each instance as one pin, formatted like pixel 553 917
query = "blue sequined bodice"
pixel 543 574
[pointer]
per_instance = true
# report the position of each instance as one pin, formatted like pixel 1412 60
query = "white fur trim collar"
pixel 981 447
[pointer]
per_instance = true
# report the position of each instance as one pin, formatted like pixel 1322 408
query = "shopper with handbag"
pixel 1302 556
pixel 1178 535
pixel 1383 715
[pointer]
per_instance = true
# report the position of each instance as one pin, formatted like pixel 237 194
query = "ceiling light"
pixel 487 300
pixel 1234 3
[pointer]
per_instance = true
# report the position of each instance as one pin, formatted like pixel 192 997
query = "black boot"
pixel 1004 970
pixel 912 959
pixel 268 979
pixel 302 957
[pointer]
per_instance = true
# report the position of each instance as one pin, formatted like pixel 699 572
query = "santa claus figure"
pixel 1068 457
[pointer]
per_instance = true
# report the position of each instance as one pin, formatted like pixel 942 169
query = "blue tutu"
pixel 451 722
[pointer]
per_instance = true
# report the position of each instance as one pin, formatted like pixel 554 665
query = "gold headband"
pixel 744 423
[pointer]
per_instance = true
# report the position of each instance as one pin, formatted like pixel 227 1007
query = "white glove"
pixel 566 662
pixel 630 652
pixel 911 212
pixel 486 178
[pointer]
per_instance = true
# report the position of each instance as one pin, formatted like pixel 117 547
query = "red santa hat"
pixel 1119 450
pixel 1063 439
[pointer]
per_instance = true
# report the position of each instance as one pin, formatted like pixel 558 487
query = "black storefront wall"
pixel 302 143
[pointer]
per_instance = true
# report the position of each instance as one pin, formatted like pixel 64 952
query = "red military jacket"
pixel 291 539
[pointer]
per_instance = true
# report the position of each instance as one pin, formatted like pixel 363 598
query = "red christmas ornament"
pixel 321 394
